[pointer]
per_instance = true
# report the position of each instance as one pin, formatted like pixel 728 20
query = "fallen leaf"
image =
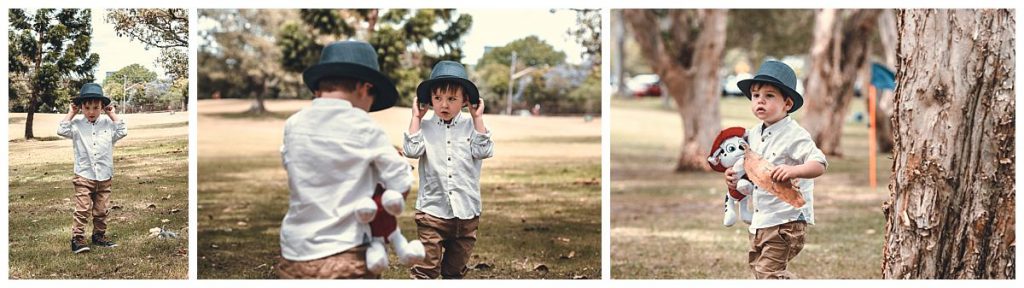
pixel 563 239
pixel 482 266
pixel 242 223
pixel 165 220
pixel 175 210
pixel 570 256
pixel 579 277
pixel 541 268
pixel 115 207
pixel 151 206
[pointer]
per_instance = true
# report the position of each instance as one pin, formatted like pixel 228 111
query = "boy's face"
pixel 447 103
pixel 768 103
pixel 92 110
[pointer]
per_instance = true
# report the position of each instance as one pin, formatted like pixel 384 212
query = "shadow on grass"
pixel 542 214
pixel 47 138
pixel 246 115
pixel 162 126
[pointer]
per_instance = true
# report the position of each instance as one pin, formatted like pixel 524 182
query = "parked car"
pixel 644 85
pixel 729 87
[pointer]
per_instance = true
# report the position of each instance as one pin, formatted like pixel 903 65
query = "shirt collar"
pixel 777 126
pixel 455 120
pixel 331 102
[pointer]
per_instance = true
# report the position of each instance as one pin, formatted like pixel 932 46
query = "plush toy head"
pixel 727 149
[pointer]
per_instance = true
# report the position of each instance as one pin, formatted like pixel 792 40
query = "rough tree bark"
pixel 838 53
pixel 687 57
pixel 951 208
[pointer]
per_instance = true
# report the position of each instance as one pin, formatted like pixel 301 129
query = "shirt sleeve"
pixel 413 144
pixel 805 150
pixel 392 171
pixel 64 129
pixel 120 130
pixel 482 147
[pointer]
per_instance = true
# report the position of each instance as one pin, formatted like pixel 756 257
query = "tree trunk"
pixel 951 208
pixel 688 64
pixel 884 103
pixel 838 53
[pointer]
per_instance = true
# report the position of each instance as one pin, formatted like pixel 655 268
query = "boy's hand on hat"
pixel 418 110
pixel 74 110
pixel 110 109
pixel 477 110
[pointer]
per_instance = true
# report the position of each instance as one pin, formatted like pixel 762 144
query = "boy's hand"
pixel 477 110
pixel 74 110
pixel 418 111
pixel 110 109
pixel 730 179
pixel 783 173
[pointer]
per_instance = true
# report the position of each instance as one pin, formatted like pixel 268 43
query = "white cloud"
pixel 497 27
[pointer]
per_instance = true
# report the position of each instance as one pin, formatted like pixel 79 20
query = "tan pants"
pixel 349 264
pixel 772 248
pixel 448 244
pixel 91 199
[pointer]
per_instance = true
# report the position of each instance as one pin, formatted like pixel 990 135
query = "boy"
pixel 450 147
pixel 335 155
pixel 778 229
pixel 93 140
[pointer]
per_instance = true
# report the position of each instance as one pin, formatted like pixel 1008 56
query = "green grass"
pixel 668 225
pixel 534 213
pixel 146 172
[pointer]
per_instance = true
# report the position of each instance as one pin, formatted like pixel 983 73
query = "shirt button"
pixel 449 142
pixel 449 176
pixel 449 158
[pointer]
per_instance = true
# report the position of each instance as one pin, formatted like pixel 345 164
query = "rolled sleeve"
pixel 482 146
pixel 64 129
pixel 413 145
pixel 120 130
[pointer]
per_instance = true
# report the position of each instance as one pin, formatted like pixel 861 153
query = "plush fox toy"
pixel 728 151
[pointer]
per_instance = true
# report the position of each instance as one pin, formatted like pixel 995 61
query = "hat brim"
pixel 798 100
pixel 81 98
pixel 385 95
pixel 468 88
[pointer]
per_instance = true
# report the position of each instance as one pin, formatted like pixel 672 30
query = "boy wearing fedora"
pixel 335 155
pixel 450 147
pixel 777 229
pixel 93 139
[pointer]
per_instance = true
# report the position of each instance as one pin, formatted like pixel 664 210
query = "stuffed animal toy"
pixel 380 211
pixel 729 151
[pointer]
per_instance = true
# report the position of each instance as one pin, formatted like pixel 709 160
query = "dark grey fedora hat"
pixel 448 71
pixel 357 60
pixel 91 91
pixel 779 75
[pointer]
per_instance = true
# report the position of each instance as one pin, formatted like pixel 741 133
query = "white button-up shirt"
pixel 785 142
pixel 451 155
pixel 335 154
pixel 93 144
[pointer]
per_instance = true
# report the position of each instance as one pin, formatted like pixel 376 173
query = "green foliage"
pixel 166 29
pixel 399 35
pixel 131 79
pixel 770 33
pixel 49 58
pixel 530 51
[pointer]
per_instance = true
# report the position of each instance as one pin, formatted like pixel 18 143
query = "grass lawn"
pixel 150 189
pixel 541 195
pixel 669 225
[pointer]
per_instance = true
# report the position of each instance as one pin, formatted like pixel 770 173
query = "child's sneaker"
pixel 101 240
pixel 78 245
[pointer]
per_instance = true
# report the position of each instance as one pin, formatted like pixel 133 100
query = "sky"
pixel 117 52
pixel 497 27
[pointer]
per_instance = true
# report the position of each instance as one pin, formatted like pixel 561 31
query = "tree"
pixel 531 52
pixel 128 83
pixel 165 29
pixel 769 32
pixel 838 54
pixel 401 37
pixel 687 57
pixel 50 51
pixel 884 104
pixel 951 208
pixel 588 34
pixel 238 56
